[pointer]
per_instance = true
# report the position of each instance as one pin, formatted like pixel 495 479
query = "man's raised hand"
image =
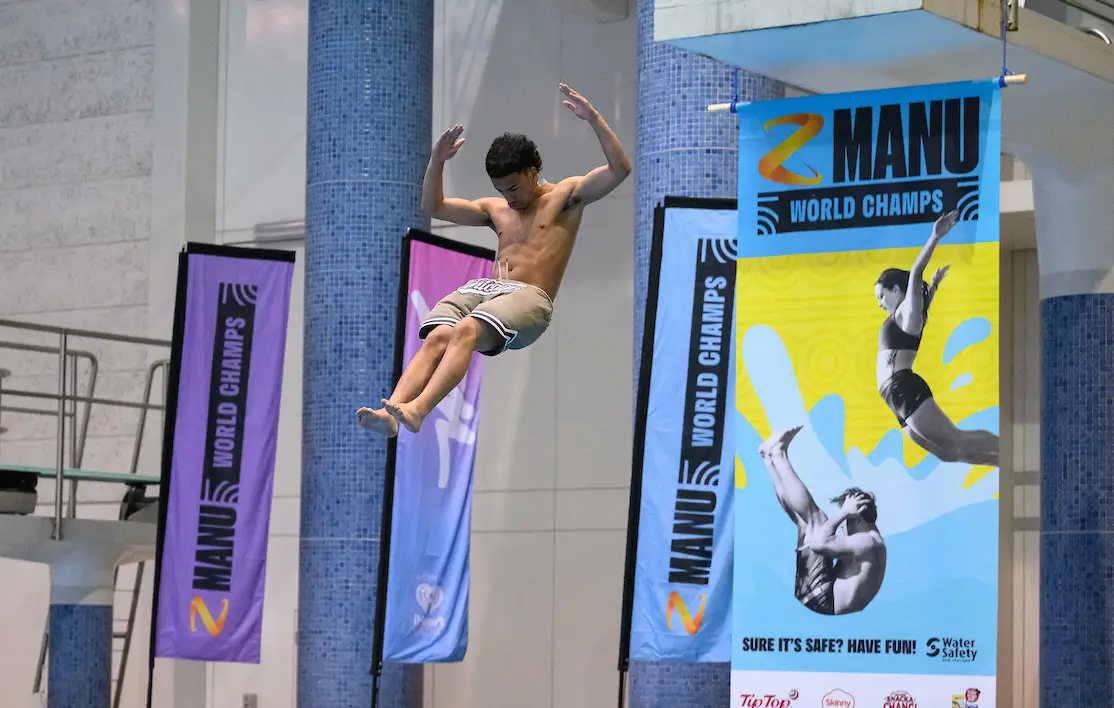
pixel 580 106
pixel 449 143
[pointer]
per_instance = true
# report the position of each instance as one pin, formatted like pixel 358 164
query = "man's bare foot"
pixel 379 421
pixel 779 440
pixel 406 414
pixel 786 436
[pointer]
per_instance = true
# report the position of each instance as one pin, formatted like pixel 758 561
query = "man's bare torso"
pixel 858 581
pixel 535 243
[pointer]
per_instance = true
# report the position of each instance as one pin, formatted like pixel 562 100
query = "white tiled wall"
pixel 76 146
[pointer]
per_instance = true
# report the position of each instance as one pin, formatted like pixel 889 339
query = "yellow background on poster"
pixel 833 341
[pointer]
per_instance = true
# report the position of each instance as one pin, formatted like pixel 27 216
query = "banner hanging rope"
pixel 733 106
pixel 1005 70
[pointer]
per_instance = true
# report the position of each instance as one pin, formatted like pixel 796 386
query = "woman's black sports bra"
pixel 892 336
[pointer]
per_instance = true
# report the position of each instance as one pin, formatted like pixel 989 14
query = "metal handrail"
pixel 42 349
pixel 81 399
pixel 122 669
pixel 1096 32
pixel 85 333
pixel 125 651
pixel 77 439
pixel 141 425
pixel 30 411
pixel 4 373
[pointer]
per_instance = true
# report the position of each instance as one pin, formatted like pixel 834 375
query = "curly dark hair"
pixel 870 513
pixel 511 153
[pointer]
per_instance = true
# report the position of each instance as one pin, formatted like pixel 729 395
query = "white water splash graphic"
pixel 913 496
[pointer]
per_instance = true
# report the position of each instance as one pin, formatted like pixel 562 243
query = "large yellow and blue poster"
pixel 866 383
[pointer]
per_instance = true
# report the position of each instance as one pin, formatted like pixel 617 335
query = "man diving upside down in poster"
pixel 839 570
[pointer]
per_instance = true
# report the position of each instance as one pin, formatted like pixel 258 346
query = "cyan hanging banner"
pixel 680 604
pixel 866 550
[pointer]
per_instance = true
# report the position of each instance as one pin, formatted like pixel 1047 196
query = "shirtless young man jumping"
pixel 536 223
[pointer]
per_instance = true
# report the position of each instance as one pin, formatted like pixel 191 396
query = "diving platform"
pixel 834 46
pixel 111 542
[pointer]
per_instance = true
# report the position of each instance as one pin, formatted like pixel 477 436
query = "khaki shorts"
pixel 520 313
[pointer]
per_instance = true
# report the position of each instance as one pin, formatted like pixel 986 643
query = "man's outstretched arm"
pixel 827 531
pixel 434 202
pixel 856 545
pixel 601 181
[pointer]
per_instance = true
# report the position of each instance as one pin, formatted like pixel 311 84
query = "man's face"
pixel 518 188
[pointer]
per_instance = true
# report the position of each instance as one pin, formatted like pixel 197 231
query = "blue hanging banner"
pixel 866 547
pixel 679 598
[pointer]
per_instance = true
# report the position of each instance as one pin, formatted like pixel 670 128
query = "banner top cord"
pixel 734 106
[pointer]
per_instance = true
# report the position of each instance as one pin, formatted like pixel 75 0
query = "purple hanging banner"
pixel 223 407
pixel 423 617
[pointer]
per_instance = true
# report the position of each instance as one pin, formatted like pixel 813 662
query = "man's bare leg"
pixel 812 586
pixel 775 478
pixel 468 336
pixel 421 367
pixel 414 378
pixel 792 494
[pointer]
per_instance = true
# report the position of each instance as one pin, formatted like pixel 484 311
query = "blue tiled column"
pixel 1075 228
pixel 80 656
pixel 369 134
pixel 1077 540
pixel 682 151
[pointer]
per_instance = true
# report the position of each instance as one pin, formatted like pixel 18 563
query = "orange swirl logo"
pixel 213 627
pixel 771 167
pixel 690 623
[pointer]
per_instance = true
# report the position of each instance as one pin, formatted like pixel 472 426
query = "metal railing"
pixel 77 437
pixel 67 401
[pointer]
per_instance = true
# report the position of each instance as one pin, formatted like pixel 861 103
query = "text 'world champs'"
pixel 220 483
pixel 894 164
pixel 694 514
